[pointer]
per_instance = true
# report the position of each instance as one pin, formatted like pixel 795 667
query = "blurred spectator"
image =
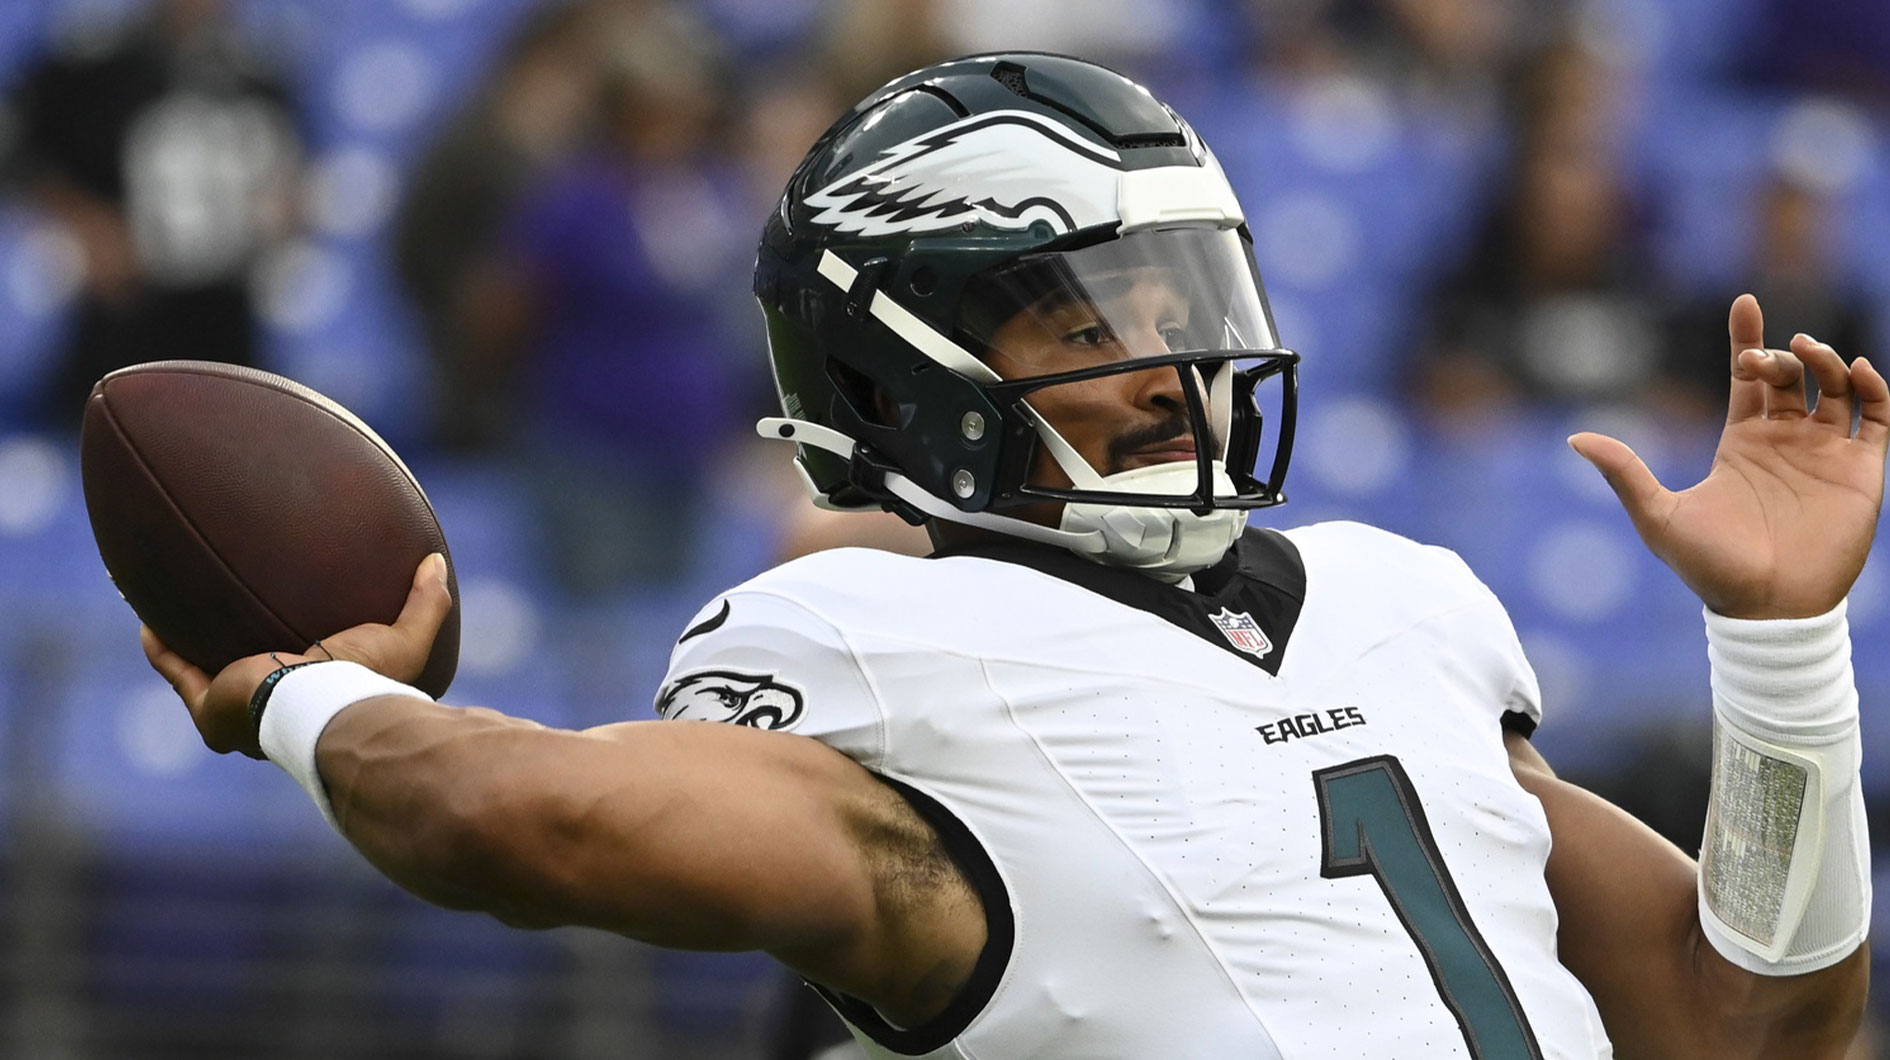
pixel 1558 300
pixel 866 43
pixel 535 106
pixel 1824 45
pixel 1131 34
pixel 1458 51
pixel 810 529
pixel 1664 777
pixel 168 150
pixel 1454 47
pixel 1793 270
pixel 608 300
pixel 782 112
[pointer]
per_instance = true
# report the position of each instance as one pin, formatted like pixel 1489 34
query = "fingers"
pixel 1745 327
pixel 1640 492
pixel 1780 376
pixel 401 650
pixel 1842 388
pixel 1833 379
pixel 190 683
pixel 1873 398
pixel 218 706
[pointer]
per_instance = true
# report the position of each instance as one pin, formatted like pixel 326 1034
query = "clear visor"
pixel 1136 363
pixel 1149 293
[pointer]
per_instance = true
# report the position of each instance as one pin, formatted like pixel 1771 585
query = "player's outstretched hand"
pixel 1781 525
pixel 220 705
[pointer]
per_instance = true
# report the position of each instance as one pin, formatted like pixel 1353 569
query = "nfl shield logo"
pixel 1243 632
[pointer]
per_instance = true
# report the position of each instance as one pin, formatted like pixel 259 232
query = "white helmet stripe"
pixel 917 333
pixel 1082 476
pixel 1167 195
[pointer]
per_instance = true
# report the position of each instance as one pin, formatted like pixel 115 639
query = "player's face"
pixel 1117 422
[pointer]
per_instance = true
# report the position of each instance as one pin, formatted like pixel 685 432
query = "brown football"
pixel 240 512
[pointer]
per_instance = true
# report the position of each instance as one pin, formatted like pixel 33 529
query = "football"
pixel 239 512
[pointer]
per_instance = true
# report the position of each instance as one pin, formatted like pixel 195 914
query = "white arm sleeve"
pixel 1785 861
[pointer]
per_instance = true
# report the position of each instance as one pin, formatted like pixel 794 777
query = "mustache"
pixel 1176 426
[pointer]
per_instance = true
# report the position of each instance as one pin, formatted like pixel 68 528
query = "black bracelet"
pixel 259 701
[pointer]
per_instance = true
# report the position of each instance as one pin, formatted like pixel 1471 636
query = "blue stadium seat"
pixel 32 327
pixel 437 967
pixel 131 771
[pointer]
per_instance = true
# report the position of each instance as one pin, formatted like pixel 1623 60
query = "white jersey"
pixel 1268 817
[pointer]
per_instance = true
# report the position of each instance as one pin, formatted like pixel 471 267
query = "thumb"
pixel 428 602
pixel 400 651
pixel 1627 475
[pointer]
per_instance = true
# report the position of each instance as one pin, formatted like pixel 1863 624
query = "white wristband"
pixel 304 701
pixel 1785 862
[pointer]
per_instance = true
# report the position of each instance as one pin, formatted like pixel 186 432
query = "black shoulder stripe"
pixel 707 625
pixel 1000 939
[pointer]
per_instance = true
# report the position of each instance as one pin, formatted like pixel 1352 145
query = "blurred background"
pixel 514 236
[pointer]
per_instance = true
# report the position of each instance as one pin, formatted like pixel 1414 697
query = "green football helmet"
pixel 979 192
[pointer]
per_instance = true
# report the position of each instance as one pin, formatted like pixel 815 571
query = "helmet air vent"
pixel 1082 94
pixel 1129 143
pixel 1011 76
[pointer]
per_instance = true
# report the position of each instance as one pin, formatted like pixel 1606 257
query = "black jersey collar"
pixel 1246 604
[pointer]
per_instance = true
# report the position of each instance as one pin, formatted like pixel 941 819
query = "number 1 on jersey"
pixel 1370 822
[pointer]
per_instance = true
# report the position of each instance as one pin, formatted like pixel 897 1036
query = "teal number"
pixel 1370 822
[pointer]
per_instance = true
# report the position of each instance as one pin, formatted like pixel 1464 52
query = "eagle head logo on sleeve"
pixel 755 700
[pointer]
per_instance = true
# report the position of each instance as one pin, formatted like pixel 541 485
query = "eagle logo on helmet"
pixel 1008 169
pixel 755 700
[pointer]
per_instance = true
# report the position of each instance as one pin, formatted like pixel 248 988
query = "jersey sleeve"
pixel 1489 639
pixel 1431 594
pixel 769 662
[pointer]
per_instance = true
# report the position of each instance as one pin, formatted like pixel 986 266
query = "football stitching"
pixel 164 491
pixel 321 403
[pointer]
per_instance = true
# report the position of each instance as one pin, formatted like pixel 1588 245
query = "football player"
pixel 1113 774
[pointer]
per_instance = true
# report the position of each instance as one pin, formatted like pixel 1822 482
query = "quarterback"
pixel 1114 775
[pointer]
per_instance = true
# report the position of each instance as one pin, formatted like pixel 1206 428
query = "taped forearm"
pixel 1784 864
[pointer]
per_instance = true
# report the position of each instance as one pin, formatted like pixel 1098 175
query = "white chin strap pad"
pixel 1166 542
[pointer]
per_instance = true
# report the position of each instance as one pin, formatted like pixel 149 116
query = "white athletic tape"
pixel 305 700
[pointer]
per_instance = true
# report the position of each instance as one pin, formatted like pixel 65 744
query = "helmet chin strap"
pixel 1167 544
pixel 801 432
